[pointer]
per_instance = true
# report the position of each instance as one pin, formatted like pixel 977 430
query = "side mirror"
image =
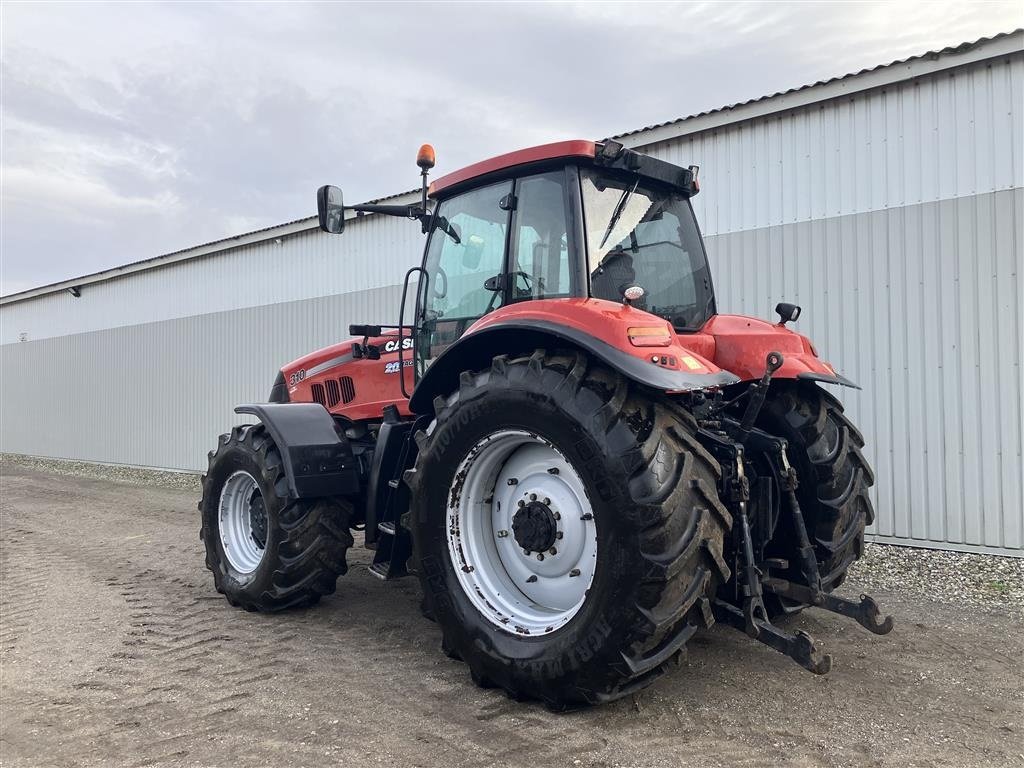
pixel 331 209
pixel 788 313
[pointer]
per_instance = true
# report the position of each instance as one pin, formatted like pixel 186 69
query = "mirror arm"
pixel 416 212
pixel 408 211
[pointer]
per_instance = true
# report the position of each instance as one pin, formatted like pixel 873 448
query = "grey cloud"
pixel 132 130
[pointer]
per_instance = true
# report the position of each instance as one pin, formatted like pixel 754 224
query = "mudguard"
pixel 597 327
pixel 317 460
pixel 739 344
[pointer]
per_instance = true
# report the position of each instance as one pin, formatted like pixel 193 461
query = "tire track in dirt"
pixel 165 673
pixel 156 692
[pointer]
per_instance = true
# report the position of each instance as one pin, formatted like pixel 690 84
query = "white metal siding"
pixel 374 252
pixel 939 137
pixel 920 305
pixel 158 394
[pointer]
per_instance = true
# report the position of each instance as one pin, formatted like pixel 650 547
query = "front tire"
pixel 633 495
pixel 267 552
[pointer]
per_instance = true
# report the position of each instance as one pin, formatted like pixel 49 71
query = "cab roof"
pixel 553 151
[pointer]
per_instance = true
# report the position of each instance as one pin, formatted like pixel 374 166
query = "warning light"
pixel 425 157
pixel 649 336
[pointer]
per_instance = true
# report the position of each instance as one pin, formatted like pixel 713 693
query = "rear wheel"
pixel 568 529
pixel 825 449
pixel 266 551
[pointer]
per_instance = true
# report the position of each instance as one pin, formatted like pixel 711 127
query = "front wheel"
pixel 567 527
pixel 267 552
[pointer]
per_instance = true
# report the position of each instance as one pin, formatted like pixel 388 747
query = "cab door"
pixel 540 262
pixel 464 265
pixel 492 246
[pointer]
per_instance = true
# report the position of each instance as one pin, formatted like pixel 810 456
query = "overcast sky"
pixel 135 129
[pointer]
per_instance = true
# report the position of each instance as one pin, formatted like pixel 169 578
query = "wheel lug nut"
pixel 547 502
pixel 522 503
pixel 553 551
pixel 502 534
pixel 557 515
pixel 533 497
pixel 540 556
pixel 558 534
pixel 527 552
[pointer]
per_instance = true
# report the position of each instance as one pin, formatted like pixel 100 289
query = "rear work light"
pixel 649 336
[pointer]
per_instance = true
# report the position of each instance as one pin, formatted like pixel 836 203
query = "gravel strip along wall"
pixel 985 581
pixel 116 472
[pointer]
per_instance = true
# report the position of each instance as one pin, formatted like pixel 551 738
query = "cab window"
pixel 539 263
pixel 467 249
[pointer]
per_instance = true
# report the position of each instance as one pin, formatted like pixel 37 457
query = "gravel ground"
pixel 982 580
pixel 186 481
pixel 115 650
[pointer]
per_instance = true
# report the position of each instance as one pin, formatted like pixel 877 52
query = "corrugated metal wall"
pixel 893 216
pixel 158 394
pixel 374 252
pixel 953 134
pixel 921 306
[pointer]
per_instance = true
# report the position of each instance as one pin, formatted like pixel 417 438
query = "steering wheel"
pixel 528 291
pixel 490 304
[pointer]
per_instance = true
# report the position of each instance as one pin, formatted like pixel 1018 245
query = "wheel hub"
pixel 242 522
pixel 521 533
pixel 534 527
pixel 258 519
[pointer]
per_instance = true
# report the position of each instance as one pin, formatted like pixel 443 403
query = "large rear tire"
pixel 266 552
pixel 617 472
pixel 825 449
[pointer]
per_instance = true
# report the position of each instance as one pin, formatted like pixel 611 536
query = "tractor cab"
pixel 569 220
pixel 564 225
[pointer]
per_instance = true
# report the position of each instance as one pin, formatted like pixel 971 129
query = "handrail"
pixel 402 326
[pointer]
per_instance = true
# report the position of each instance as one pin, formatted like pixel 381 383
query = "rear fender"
pixel 596 327
pixel 317 460
pixel 740 344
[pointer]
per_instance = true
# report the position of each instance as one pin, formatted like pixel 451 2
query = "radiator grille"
pixel 333 395
pixel 334 391
pixel 348 389
pixel 318 394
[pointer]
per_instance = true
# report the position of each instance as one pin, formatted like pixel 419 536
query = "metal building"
pixel 888 203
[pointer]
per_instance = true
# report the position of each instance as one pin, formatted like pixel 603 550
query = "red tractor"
pixel 583 462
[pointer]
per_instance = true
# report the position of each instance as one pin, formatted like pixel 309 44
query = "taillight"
pixel 649 336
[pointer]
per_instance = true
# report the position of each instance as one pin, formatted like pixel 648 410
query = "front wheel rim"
pixel 242 522
pixel 521 533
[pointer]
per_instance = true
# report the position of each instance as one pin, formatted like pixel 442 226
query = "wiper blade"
pixel 619 207
pixel 443 224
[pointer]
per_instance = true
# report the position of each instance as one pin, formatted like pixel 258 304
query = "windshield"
pixel 646 236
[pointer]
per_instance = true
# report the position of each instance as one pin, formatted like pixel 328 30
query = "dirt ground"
pixel 116 650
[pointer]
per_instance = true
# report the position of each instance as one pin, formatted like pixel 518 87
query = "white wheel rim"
pixel 528 594
pixel 240 507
